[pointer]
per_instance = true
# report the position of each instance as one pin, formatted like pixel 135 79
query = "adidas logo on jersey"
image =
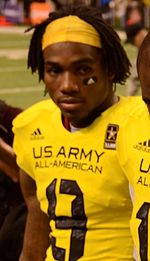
pixel 37 135
pixel 144 146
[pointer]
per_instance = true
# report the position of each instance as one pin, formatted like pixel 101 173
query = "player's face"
pixel 67 70
pixel 144 76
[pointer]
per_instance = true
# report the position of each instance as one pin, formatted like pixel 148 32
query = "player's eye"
pixel 84 69
pixel 53 70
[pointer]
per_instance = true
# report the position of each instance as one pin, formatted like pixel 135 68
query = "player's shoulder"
pixel 129 109
pixel 133 106
pixel 34 111
pixel 139 108
pixel 124 107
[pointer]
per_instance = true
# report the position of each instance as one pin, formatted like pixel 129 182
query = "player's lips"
pixel 70 103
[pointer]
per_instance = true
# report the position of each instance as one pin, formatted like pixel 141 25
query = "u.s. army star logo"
pixel 111 136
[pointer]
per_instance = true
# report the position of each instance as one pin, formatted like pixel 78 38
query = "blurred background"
pixel 18 86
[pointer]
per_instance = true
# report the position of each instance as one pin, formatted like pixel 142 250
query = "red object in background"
pixel 40 11
pixel 4 22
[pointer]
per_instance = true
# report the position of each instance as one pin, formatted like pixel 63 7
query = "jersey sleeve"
pixel 23 126
pixel 20 146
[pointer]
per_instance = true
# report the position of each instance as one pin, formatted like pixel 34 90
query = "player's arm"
pixel 8 161
pixel 36 239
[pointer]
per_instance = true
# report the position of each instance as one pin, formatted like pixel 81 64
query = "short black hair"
pixel 114 55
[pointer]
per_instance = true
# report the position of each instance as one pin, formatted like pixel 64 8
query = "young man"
pixel 134 155
pixel 143 65
pixel 78 198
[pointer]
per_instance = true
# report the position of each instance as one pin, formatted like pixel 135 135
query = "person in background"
pixel 8 162
pixel 135 33
pixel 77 194
pixel 134 155
pixel 134 12
pixel 143 65
pixel 7 114
pixel 9 171
pixel 12 207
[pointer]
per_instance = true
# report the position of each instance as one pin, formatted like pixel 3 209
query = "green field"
pixel 18 86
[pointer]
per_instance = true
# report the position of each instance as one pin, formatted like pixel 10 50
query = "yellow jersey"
pixel 80 183
pixel 134 155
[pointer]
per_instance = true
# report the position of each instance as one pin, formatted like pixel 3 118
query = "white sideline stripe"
pixel 13 69
pixel 21 89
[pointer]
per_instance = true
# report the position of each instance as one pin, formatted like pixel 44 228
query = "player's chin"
pixel 73 115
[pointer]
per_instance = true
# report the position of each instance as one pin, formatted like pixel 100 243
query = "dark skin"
pixel 64 75
pixel 143 69
pixel 66 66
pixel 37 225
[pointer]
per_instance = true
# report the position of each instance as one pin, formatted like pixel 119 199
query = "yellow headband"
pixel 73 29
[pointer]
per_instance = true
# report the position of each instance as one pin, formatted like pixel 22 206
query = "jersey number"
pixel 143 230
pixel 77 222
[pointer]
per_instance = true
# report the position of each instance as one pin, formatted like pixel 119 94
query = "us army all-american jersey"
pixel 80 184
pixel 134 154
